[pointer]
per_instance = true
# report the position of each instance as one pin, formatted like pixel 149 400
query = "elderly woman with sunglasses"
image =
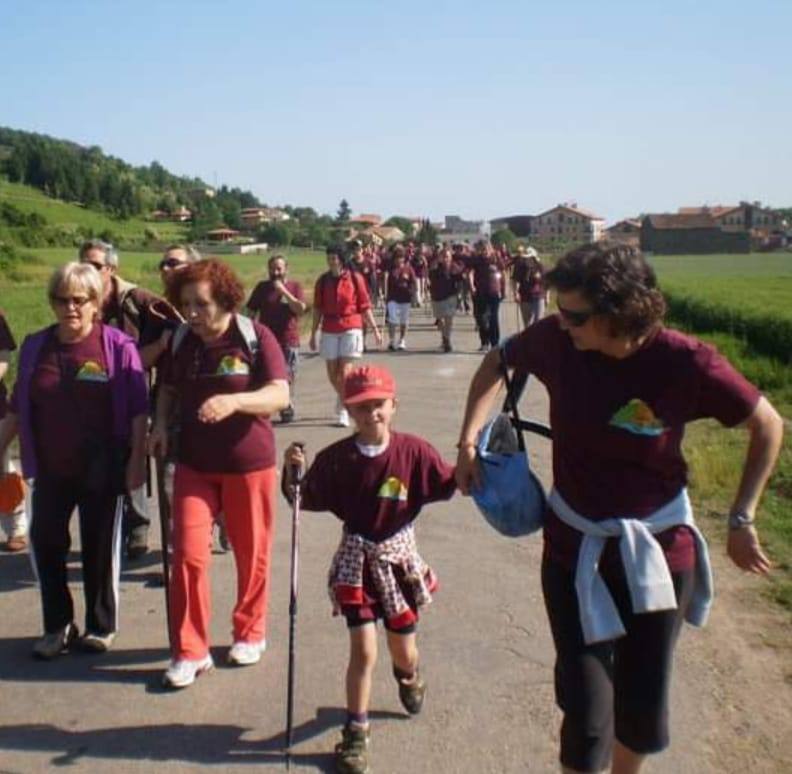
pixel 624 563
pixel 79 406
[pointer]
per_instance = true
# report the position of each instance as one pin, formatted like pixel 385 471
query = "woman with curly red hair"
pixel 230 376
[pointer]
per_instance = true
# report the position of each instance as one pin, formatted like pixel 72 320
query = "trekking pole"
pixel 296 479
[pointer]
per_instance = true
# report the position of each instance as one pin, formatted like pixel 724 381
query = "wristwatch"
pixel 740 519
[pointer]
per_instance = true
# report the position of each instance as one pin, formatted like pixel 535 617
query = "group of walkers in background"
pixel 189 379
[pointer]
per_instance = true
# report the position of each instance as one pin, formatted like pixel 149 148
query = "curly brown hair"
pixel 617 281
pixel 227 290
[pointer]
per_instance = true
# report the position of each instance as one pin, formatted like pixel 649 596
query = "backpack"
pixel 244 326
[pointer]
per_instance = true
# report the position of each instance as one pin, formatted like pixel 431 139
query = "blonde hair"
pixel 76 276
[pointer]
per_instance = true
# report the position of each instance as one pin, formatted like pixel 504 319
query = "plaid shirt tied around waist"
pixel 345 579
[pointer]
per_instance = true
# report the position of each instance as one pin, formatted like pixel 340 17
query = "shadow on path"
pixel 196 744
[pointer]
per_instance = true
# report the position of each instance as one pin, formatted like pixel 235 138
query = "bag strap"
pixel 511 399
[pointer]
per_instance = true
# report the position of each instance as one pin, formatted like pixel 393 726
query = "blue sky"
pixel 475 108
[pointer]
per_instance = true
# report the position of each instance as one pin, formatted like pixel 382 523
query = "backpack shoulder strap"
pixel 178 338
pixel 248 331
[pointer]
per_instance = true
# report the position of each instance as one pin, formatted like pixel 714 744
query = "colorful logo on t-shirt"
pixel 393 489
pixel 91 371
pixel 232 366
pixel 637 417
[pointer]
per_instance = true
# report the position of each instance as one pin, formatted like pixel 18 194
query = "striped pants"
pixel 52 503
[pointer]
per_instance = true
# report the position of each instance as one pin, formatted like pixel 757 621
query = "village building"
pixel 690 233
pixel 519 225
pixel 367 219
pixel 627 231
pixel 569 223
pixel 253 217
pixel 222 234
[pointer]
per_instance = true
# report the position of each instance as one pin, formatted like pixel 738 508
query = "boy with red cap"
pixel 376 481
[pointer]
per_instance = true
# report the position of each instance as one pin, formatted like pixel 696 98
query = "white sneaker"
pixel 246 653
pixel 343 418
pixel 402 344
pixel 182 673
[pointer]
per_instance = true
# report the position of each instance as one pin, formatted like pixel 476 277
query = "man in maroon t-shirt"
pixel 622 388
pixel 13 524
pixel 279 303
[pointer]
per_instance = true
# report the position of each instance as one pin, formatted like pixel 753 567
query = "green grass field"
pixel 58 213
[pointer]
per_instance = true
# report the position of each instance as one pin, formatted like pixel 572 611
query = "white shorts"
pixel 348 345
pixel 398 314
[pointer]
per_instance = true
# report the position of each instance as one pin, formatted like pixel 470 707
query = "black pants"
pixel 618 688
pixel 486 309
pixel 100 513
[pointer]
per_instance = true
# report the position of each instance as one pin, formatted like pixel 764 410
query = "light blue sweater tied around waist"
pixel 648 577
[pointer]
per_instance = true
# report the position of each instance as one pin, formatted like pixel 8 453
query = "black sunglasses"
pixel 98 266
pixel 171 263
pixel 66 301
pixel 575 319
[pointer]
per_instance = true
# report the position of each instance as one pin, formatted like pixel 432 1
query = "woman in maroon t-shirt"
pixel 622 388
pixel 230 376
pixel 80 408
pixel 444 283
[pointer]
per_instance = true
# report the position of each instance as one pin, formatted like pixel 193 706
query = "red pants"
pixel 247 500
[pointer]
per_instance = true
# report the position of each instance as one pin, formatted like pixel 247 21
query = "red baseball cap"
pixel 368 383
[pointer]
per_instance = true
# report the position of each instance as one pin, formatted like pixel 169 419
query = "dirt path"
pixel 485 646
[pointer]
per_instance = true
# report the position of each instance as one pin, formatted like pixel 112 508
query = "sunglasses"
pixel 98 266
pixel 171 263
pixel 66 301
pixel 574 318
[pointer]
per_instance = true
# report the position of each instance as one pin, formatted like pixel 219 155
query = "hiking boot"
pixel 182 673
pixel 96 643
pixel 137 542
pixel 351 753
pixel 246 653
pixel 412 693
pixel 15 544
pixel 54 643
pixel 402 345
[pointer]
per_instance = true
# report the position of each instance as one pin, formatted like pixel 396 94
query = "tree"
pixel 427 233
pixel 403 224
pixel 344 211
pixel 504 236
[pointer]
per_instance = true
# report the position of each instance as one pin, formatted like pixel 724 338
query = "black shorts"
pixel 618 688
pixel 355 619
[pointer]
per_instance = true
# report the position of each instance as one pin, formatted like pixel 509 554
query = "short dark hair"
pixel 277 257
pixel 617 281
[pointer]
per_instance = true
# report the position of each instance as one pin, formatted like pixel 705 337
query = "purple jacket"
pixel 127 380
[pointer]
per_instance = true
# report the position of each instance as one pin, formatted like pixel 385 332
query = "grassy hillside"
pixel 72 216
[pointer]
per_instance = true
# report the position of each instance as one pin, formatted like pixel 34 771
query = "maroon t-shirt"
pixel 444 283
pixel 7 344
pixel 242 442
pixel 72 403
pixel 488 276
pixel 273 311
pixel 401 282
pixel 419 265
pixel 618 425
pixel 529 277
pixel 377 496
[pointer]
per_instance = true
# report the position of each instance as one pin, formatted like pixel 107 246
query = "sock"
pixel 359 719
